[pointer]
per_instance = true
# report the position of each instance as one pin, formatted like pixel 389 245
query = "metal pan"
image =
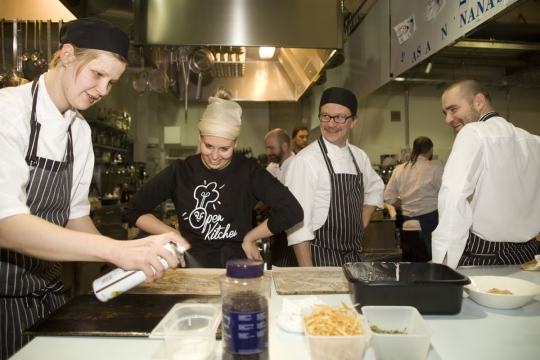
pixel 201 62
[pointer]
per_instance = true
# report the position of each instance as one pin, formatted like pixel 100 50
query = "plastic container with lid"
pixel 244 292
pixel 189 331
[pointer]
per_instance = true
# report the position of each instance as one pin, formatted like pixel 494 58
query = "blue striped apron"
pixel 339 240
pixel 30 288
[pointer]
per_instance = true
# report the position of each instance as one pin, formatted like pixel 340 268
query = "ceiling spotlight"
pixel 266 52
pixel 428 67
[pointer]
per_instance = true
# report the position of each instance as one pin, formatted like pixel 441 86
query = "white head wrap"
pixel 221 118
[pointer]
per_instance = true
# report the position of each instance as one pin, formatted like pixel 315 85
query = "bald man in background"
pixel 277 144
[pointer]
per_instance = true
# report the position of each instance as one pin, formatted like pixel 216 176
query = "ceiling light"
pixel 428 67
pixel 399 79
pixel 266 52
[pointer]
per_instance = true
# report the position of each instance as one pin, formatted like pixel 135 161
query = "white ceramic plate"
pixel 523 291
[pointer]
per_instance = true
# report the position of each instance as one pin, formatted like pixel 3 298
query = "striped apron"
pixel 282 254
pixel 30 288
pixel 339 240
pixel 482 252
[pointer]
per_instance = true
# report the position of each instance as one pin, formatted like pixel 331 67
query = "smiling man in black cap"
pixel 336 186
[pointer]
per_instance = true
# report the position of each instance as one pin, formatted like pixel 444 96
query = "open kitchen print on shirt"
pixel 211 226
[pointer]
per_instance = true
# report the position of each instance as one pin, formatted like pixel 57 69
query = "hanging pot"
pixel 156 78
pixel 140 79
pixel 201 62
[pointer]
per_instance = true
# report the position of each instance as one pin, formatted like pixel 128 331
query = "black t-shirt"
pixel 214 207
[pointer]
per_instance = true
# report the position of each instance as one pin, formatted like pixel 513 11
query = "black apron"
pixel 428 223
pixel 31 288
pixel 339 240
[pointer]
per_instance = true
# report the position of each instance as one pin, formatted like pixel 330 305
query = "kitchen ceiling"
pixel 504 51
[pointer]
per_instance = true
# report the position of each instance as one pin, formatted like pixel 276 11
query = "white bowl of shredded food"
pixel 501 292
pixel 334 332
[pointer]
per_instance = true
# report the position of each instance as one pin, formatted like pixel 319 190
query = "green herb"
pixel 378 330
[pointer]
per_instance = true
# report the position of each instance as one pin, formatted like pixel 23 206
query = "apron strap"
pixel 35 126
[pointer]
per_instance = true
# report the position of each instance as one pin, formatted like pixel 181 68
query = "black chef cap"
pixel 92 33
pixel 341 96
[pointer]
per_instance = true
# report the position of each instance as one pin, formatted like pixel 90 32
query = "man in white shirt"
pixel 489 202
pixel 414 188
pixel 277 144
pixel 336 186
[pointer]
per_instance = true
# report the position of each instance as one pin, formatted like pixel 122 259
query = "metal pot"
pixel 140 79
pixel 201 62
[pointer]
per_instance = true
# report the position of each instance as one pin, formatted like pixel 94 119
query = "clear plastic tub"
pixel 189 331
pixel 335 347
pixel 414 345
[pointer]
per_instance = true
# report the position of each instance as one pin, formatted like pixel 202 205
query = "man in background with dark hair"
pixel 414 189
pixel 489 202
pixel 300 136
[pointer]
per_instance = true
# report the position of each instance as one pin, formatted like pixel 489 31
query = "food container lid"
pixel 189 320
pixel 245 268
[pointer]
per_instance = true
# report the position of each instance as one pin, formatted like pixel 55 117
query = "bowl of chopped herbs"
pixel 397 332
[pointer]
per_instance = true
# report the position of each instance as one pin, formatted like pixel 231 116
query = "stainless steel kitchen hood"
pixel 305 33
pixel 307 36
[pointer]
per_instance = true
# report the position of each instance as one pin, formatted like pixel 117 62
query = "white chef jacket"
pixel 418 186
pixel 490 186
pixel 279 170
pixel 309 180
pixel 16 105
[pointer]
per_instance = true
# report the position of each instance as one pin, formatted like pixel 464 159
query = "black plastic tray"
pixel 433 289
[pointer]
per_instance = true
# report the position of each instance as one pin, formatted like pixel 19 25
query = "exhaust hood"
pixel 307 36
pixel 304 33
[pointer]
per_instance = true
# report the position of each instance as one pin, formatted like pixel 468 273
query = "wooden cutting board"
pixel 125 315
pixel 184 281
pixel 309 280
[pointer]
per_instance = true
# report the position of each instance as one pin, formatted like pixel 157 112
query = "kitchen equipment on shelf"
pixel 35 55
pixel 140 79
pixel 49 50
pixel 164 68
pixel 201 62
pixel 3 75
pixel 156 77
pixel 15 75
pixel 172 80
pixel 40 58
pixel 184 56
pixel 26 54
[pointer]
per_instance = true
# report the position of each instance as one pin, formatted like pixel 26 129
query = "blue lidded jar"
pixel 244 294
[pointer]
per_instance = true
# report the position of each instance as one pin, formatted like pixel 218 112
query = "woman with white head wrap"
pixel 214 193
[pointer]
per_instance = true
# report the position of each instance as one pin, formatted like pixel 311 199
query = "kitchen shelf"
pixel 105 125
pixel 112 148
